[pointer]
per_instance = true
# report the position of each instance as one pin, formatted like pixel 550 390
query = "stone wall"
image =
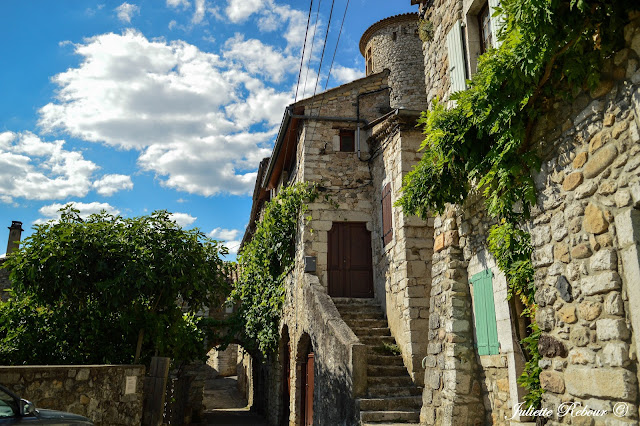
pixel 394 45
pixel 224 362
pixel 402 268
pixel 588 185
pixel 443 14
pixel 107 394
pixel 586 232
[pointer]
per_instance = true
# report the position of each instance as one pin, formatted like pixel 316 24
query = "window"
pixel 369 60
pixel 387 226
pixel 347 141
pixel 484 24
pixel 485 313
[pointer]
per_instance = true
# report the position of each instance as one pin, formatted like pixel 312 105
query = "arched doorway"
pixel 285 357
pixel 306 361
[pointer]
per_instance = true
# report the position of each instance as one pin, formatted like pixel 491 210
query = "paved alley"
pixel 224 405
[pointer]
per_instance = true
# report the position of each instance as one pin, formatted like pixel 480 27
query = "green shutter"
pixel 455 50
pixel 485 313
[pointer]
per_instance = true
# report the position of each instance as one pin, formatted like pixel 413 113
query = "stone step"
pixel 390 416
pixel 347 316
pixel 376 341
pixel 374 331
pixel 366 323
pixel 386 391
pixel 375 358
pixel 404 380
pixel 354 301
pixel 393 403
pixel 386 370
pixel 390 424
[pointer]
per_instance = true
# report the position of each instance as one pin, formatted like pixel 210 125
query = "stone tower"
pixel 15 232
pixel 393 43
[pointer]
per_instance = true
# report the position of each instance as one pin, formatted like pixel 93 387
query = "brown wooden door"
pixel 308 400
pixel 286 385
pixel 350 260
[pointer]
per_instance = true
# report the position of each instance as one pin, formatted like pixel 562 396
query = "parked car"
pixel 14 410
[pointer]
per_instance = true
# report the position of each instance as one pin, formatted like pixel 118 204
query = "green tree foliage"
pixel 264 264
pixel 551 50
pixel 91 291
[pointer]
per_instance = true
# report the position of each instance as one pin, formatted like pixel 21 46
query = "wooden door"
pixel 286 385
pixel 350 260
pixel 308 400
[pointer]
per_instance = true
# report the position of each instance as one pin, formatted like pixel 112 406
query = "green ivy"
pixel 264 263
pixel 551 50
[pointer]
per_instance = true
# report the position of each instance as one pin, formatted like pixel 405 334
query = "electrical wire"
pixel 337 42
pixel 313 40
pixel 304 46
pixel 324 45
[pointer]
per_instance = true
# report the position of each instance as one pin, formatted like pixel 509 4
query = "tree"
pixel 108 289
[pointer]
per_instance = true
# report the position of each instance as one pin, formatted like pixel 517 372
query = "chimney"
pixel 15 232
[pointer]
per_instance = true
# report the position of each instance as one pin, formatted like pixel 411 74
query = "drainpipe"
pixel 358 115
pixel 15 232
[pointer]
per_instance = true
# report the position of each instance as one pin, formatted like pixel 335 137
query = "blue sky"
pixel 143 105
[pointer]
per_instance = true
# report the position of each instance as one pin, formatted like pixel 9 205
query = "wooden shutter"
pixel 485 313
pixel 496 22
pixel 387 226
pixel 455 49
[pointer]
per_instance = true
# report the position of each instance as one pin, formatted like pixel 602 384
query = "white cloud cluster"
pixel 126 11
pixel 183 219
pixel 37 170
pixel 34 169
pixel 110 184
pixel 191 114
pixel 346 74
pixel 228 236
pixel 51 212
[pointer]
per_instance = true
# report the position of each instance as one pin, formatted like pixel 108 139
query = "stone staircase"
pixel 392 398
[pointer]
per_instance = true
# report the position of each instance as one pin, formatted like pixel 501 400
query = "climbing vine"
pixel 550 50
pixel 264 263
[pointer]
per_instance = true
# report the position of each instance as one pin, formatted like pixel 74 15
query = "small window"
pixel 394 36
pixel 347 141
pixel 369 60
pixel 387 224
pixel 484 24
pixel 485 313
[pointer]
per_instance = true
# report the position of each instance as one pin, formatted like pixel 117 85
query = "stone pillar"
pixel 15 232
pixel 452 391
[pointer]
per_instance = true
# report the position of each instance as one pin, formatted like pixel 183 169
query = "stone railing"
pixel 107 394
pixel 337 334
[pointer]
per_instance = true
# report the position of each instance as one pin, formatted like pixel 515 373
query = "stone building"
pixel 368 276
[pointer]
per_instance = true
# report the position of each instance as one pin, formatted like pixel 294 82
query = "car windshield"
pixel 8 405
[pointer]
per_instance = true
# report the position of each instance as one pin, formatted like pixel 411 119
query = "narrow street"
pixel 224 405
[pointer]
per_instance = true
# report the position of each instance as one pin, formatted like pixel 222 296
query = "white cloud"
pixel 191 114
pixel 172 24
pixel 126 11
pixel 198 15
pixel 34 169
pixel 228 236
pixel 110 184
pixel 179 3
pixel 345 74
pixel 51 212
pixel 240 10
pixel 183 219
pixel 259 58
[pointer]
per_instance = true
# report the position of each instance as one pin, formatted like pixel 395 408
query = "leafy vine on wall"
pixel 264 263
pixel 551 50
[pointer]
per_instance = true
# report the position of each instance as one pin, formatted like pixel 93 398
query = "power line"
pixel 337 41
pixel 304 46
pixel 313 40
pixel 324 45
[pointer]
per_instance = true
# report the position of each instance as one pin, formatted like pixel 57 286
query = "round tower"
pixel 393 43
